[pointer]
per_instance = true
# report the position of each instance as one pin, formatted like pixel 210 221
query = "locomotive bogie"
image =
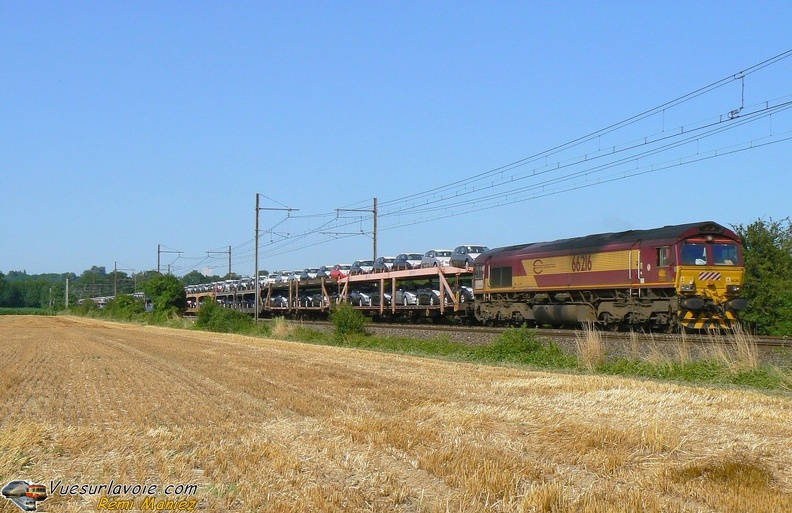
pixel 609 308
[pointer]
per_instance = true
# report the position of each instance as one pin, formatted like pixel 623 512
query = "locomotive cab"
pixel 709 278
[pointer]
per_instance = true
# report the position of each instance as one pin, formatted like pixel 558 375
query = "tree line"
pixel 48 291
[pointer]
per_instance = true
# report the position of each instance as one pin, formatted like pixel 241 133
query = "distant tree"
pixel 98 270
pixel 767 247
pixel 166 293
pixel 93 282
pixel 17 276
pixel 193 278
pixel 56 297
pixel 11 295
pixel 5 291
pixel 35 293
pixel 197 278
pixel 141 278
pixel 21 290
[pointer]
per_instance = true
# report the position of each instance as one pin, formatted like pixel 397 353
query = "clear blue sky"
pixel 124 125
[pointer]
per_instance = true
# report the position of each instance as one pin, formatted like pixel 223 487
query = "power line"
pixel 543 190
pixel 608 129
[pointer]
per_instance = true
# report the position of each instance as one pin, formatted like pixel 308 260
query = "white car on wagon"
pixel 436 258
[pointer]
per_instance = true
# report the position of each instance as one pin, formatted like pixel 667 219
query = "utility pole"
pixel 375 228
pixel 374 213
pixel 256 272
pixel 229 259
pixel 115 280
pixel 159 251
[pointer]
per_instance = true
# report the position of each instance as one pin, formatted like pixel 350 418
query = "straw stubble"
pixel 266 425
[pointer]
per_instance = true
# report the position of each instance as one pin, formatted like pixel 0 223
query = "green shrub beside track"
pixel 222 320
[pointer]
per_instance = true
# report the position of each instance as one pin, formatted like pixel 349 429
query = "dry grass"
pixel 589 346
pixel 737 349
pixel 282 328
pixel 265 425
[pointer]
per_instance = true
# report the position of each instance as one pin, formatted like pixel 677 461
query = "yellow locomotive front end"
pixel 709 281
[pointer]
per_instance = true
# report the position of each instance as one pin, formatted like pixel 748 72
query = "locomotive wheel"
pixel 607 322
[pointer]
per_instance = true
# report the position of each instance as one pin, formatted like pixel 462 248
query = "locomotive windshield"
pixel 694 253
pixel 724 254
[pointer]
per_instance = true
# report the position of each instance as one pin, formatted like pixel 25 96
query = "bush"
pixel 517 340
pixel 222 320
pixel 87 308
pixel 522 345
pixel 124 307
pixel 348 320
pixel 167 294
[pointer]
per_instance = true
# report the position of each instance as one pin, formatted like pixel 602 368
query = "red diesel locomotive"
pixel 686 276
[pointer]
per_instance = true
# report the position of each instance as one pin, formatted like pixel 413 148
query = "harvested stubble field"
pixel 267 425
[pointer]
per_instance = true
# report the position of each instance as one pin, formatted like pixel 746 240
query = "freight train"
pixel 685 276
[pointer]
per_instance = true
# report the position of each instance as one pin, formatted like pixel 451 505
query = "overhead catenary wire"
pixel 699 131
pixel 603 131
pixel 545 190
pixel 593 166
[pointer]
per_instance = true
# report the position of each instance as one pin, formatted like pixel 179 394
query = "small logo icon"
pixel 25 494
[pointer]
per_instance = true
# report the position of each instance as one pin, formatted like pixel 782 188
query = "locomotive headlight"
pixel 688 287
pixel 733 289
